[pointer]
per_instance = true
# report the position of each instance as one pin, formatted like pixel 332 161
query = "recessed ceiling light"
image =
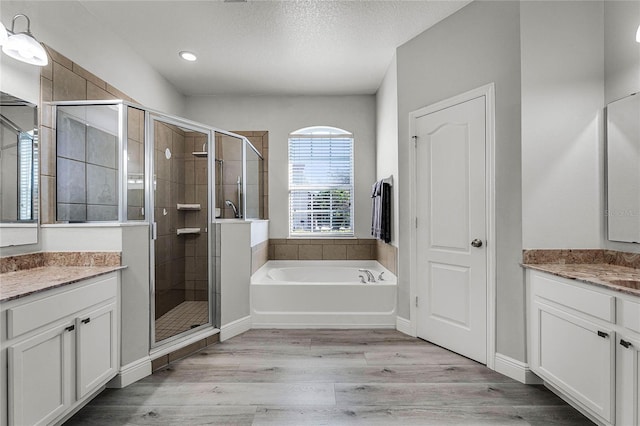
pixel 188 56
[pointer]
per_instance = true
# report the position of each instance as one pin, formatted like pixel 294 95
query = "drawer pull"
pixel 70 328
pixel 86 321
pixel 625 343
pixel 603 334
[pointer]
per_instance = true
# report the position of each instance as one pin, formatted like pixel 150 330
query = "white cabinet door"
pixel 40 376
pixel 627 382
pixel 96 345
pixel 576 356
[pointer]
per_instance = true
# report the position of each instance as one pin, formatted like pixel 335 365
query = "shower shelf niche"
pixel 188 206
pixel 199 153
pixel 183 231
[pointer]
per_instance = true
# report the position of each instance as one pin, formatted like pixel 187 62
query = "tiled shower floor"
pixel 181 318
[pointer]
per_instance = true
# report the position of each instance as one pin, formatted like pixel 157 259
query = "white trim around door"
pixel 488 92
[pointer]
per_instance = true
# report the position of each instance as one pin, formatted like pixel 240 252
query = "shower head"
pixel 229 203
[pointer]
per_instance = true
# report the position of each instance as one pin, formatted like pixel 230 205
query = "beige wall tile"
pixel 334 252
pixel 117 93
pixel 309 252
pixel 359 252
pixel 57 57
pixel 46 116
pixel 46 90
pixel 98 82
pixel 47 152
pixel 47 199
pixel 47 70
pixel 96 93
pixel 286 252
pixel 187 350
pixel 159 363
pixel 67 85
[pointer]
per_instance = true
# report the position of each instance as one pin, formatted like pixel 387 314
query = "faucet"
pixel 362 279
pixel 229 203
pixel 370 277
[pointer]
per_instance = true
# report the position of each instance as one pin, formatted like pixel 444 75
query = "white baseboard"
pixel 515 369
pixel 131 373
pixel 235 327
pixel 341 320
pixel 315 325
pixel 403 325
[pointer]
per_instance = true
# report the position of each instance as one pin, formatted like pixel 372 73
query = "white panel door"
pixel 451 228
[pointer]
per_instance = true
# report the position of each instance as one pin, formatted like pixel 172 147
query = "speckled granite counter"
pixel 598 267
pixel 32 273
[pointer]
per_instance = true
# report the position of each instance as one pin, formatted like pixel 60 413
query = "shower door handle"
pixel 154 231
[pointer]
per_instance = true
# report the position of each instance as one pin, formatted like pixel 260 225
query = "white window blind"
pixel 321 182
pixel 26 164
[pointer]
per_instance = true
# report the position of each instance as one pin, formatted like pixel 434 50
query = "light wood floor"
pixel 327 377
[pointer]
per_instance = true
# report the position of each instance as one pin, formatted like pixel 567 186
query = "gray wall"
pixel 562 101
pixel 477 45
pixel 387 139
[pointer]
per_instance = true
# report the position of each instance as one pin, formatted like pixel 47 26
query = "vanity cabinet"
pixel 61 348
pixel 628 364
pixel 573 343
pixel 584 342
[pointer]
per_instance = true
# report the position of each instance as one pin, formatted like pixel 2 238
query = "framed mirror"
pixel 623 169
pixel 19 171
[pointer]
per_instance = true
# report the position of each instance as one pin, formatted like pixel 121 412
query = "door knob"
pixel 476 243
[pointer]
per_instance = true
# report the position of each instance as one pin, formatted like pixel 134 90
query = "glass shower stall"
pixel 121 162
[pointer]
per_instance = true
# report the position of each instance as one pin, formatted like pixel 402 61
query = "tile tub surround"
pixel 598 267
pixel 334 249
pixel 322 249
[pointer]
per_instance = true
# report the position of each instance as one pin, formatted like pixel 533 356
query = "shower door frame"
pixel 150 118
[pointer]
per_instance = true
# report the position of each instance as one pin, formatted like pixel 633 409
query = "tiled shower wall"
pixel 260 140
pixel 62 80
pixel 181 178
pixel 195 192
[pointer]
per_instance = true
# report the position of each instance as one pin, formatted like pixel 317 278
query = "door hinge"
pixel 416 301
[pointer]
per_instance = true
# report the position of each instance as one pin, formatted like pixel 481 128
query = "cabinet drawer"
pixel 629 314
pixel 30 316
pixel 558 291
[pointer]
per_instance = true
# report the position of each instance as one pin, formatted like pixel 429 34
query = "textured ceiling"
pixel 270 47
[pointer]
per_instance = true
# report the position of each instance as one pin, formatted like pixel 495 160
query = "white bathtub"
pixel 322 294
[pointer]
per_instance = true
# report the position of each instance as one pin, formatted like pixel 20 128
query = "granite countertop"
pixel 23 275
pixel 599 274
pixel 14 285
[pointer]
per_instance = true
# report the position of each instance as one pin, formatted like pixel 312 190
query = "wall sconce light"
pixel 23 46
pixel 638 34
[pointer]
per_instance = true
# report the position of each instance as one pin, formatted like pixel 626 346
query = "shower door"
pixel 181 290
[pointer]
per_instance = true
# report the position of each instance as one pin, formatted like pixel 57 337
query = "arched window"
pixel 321 182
